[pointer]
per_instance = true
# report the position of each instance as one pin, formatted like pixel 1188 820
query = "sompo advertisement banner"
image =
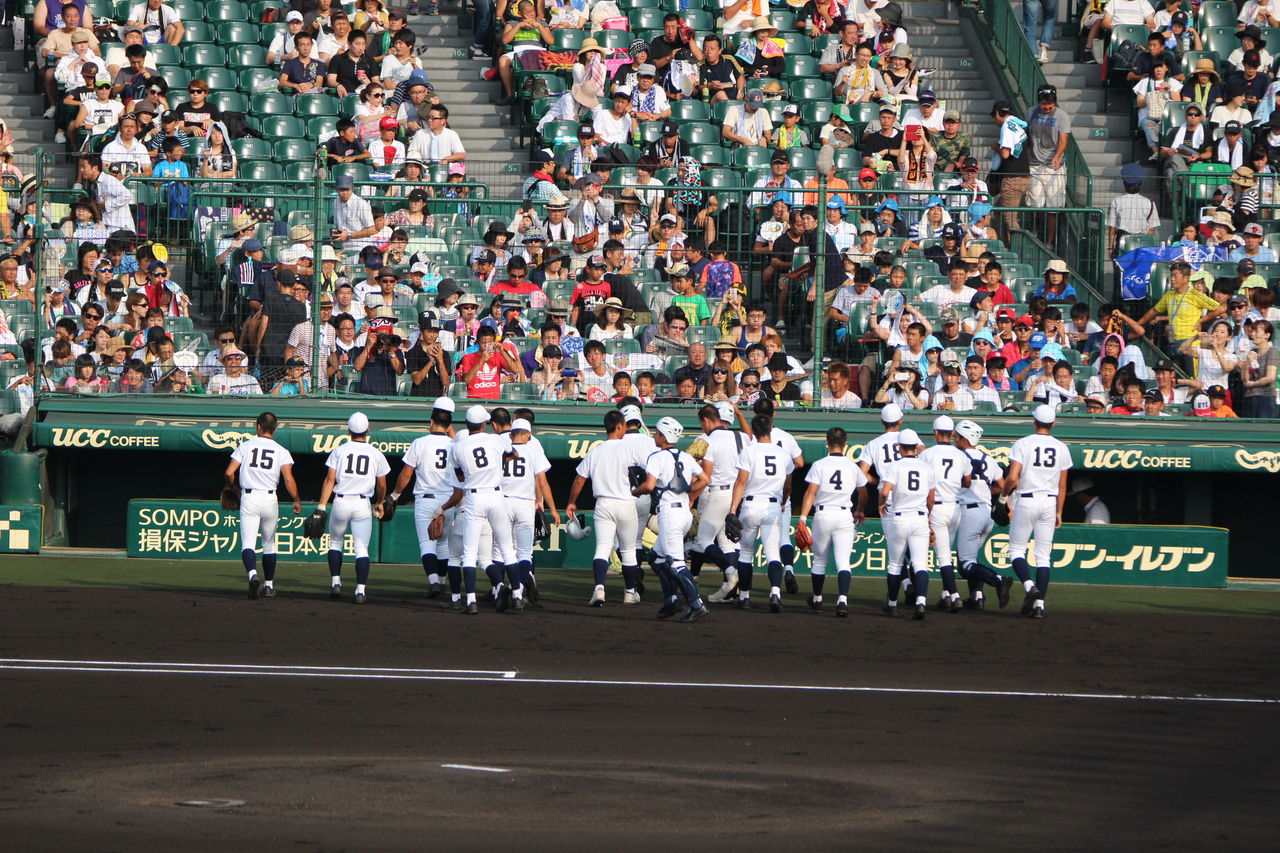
pixel 1136 555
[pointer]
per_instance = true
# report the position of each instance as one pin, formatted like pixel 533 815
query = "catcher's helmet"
pixel 576 527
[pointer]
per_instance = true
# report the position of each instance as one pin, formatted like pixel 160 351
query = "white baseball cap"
pixel 671 429
pixel 725 408
pixel 444 404
pixel 943 423
pixel 971 431
pixel 891 414
pixel 629 413
pixel 1045 414
pixel 521 423
pixel 358 423
pixel 908 438
pixel 477 414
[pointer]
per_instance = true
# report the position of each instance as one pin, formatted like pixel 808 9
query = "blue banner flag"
pixel 1135 264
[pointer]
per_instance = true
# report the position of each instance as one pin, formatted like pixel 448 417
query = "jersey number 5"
pixel 770 468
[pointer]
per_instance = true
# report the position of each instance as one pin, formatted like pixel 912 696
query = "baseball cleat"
pixel 531 590
pixel 434 590
pixel 722 594
pixel 842 610
pixel 254 585
pixel 889 609
pixel 1037 613
pixel 942 604
pixel 359 598
pixel 775 603
pixel 472 609
pixel 451 605
pixel 693 615
pixel 517 605
pixel 744 604
pixel 789 581
pixel 335 591
pixel 504 599
pixel 813 603
pixel 597 598
pixel 671 608
pixel 630 598
pixel 920 612
pixel 953 604
pixel 1006 584
pixel 974 603
pixel 268 592
pixel 1030 601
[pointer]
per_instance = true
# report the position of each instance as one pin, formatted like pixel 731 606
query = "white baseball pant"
pixel 454 522
pixel 642 518
pixel 975 526
pixel 944 521
pixel 478 508
pixel 910 535
pixel 674 521
pixel 353 512
pixel 520 521
pixel 1034 516
pixel 713 506
pixel 259 512
pixel 424 512
pixel 616 527
pixel 761 520
pixel 833 535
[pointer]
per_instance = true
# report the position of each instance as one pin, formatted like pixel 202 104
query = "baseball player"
pixel 606 467
pixel 678 479
pixel 641 444
pixel 834 481
pixel 762 488
pixel 974 506
pixel 524 481
pixel 951 472
pixel 878 457
pixel 785 440
pixel 906 492
pixel 719 461
pixel 453 511
pixel 257 466
pixel 1038 466
pixel 547 502
pixel 477 461
pixel 426 463
pixel 357 472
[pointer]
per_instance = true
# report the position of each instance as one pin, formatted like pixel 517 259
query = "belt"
pixel 366 497
pixel 822 507
pixel 973 506
pixel 673 505
pixel 910 512
pixel 484 489
pixel 1033 494
pixel 426 495
pixel 761 498
pixel 719 488
pixel 265 491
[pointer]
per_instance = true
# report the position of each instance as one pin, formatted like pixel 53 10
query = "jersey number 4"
pixel 262 457
pixel 836 481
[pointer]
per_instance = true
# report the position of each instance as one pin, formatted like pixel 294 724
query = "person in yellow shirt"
pixel 1182 306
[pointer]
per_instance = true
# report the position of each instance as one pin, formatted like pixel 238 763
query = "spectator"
pixel 1131 213
pixel 952 396
pixel 380 361
pixel 611 317
pixel 1152 95
pixel 721 387
pixel 748 124
pixel 1048 129
pixel 301 342
pixel 780 389
pixel 837 394
pixel 615 125
pixel 950 145
pixel 437 142
pixel 233 379
pixel 301 72
pixel 1214 360
pixel 159 23
pixel 59 46
pixel 284 45
pixel 955 292
pixel 1056 286
pixel 696 367
pixel 648 101
pixel 902 386
pixel 1010 163
pixel 114 199
pixel 1185 144
pixel 597 376
pixel 1153 404
pixel 1053 386
pixel 352 216
pixel 217 158
pixel 880 145
pixel 1218 407
pixel 126 155
pixel 553 380
pixel 400 61
pixel 669 337
pixel 722 76
pixel 334 38
pixel 428 363
pixel 591 291
pixel 353 69
pixel 1132 401
pixel 198 115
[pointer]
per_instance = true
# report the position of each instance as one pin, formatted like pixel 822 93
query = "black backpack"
pixel 1124 56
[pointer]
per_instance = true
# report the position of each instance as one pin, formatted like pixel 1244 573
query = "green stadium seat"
pixel 226 10
pixel 815 112
pixel 259 170
pixel 318 126
pixel 803 158
pixel 1136 33
pixel 267 32
pixel 811 90
pixel 614 39
pixel 690 110
pixel 709 155
pixel 293 149
pixel 203 55
pixel 358 171
pixel 646 19
pixel 237 32
pixel 218 78
pixel 567 39
pixel 281 127
pixel 518 391
pixel 848 158
pixel 271 104
pixel 229 100
pixel 1221 40
pixel 701 20
pixel 247 56
pixel 192 10
pixel 801 65
pixel 316 104
pixel 1216 13
pixel 795 43
pixel 165 54
pixel 752 155
pixel 720 108
pixel 697 133
pixel 258 80
pixel 198 31
pixel 248 148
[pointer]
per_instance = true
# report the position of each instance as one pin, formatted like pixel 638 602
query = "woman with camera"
pixel 380 361
pixel 902 386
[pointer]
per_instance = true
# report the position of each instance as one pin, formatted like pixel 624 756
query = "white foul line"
pixel 475 767
pixel 511 677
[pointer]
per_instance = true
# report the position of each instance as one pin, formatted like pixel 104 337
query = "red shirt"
pixel 1002 295
pixel 590 295
pixel 487 382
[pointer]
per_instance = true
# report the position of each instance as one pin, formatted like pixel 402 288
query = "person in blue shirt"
pixel 1253 248
pixel 1021 369
pixel 1056 287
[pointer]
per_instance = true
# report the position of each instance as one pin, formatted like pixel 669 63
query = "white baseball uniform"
pixel 879 455
pixel 723 449
pixel 768 466
pixel 357 465
pixel 478 461
pixel 428 456
pixel 641 444
pixel 834 531
pixel 259 475
pixel 484 553
pixel 520 490
pixel 1035 513
pixel 950 466
pixel 616 526
pixel 911 479
pixel 675 516
pixel 975 505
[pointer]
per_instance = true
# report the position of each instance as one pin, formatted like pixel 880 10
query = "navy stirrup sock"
pixel 895 586
pixel 269 566
pixel 335 563
pixel 818 582
pixel 469 580
pixel 921 582
pixel 455 579
pixel 601 570
pixel 1042 580
pixel 362 570
pixel 1022 569
pixel 630 576
pixel 788 555
pixel 247 557
pixel 696 559
pixel 744 577
pixel 948 579
pixel 842 581
pixel 775 573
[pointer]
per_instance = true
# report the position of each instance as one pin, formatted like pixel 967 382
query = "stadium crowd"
pixel 629 265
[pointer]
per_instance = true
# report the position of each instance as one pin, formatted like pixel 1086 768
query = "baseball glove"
pixel 388 508
pixel 804 539
pixel 436 528
pixel 733 527
pixel 316 524
pixel 541 530
pixel 636 475
pixel 692 532
pixel 230 497
pixel 1000 513
pixel 699 448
